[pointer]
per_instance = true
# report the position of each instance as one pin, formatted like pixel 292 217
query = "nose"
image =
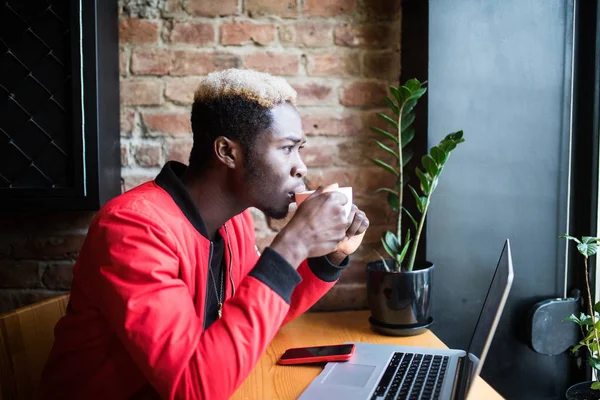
pixel 299 169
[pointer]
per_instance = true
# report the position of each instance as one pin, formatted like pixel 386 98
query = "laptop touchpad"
pixel 347 374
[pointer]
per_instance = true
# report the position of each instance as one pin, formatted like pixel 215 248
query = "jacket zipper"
pixel 206 286
pixel 230 263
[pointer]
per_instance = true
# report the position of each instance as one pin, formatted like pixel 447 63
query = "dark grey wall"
pixel 501 71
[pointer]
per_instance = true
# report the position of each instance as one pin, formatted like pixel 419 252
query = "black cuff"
pixel 325 270
pixel 277 273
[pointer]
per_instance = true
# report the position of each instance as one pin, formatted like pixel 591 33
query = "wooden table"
pixel 271 381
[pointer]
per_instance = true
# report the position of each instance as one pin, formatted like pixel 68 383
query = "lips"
pixel 298 189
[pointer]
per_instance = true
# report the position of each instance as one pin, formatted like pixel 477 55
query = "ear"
pixel 229 152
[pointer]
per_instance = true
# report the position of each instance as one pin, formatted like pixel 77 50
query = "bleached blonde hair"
pixel 262 88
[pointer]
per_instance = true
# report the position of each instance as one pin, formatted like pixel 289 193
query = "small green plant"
pixel 588 323
pixel 404 99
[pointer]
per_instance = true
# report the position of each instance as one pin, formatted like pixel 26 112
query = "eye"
pixel 301 147
pixel 288 149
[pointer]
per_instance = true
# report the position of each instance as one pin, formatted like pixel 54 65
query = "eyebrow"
pixel 294 139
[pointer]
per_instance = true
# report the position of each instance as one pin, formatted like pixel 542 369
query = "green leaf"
pixel 405 93
pixel 407 121
pixel 419 200
pixel 392 152
pixel 588 239
pixel 595 386
pixel 393 201
pixel 385 166
pixel 405 247
pixel 565 236
pixel 384 134
pixel 593 362
pixel 587 249
pixel 456 137
pixel 414 221
pixel 413 84
pixel 392 241
pixel 572 318
pixel 425 184
pixel 597 307
pixel 397 95
pixel 439 155
pixel 407 136
pixel 390 103
pixel 408 107
pixel 447 145
pixel 407 155
pixel 387 249
pixel 418 93
pixel 388 120
pixel 430 166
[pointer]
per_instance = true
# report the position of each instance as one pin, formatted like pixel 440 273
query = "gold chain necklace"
pixel 217 293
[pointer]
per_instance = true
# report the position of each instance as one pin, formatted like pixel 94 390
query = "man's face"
pixel 274 169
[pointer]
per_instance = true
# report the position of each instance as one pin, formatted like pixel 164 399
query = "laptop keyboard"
pixel 412 377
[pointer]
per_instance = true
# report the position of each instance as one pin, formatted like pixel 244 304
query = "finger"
pixel 353 211
pixel 364 225
pixel 355 226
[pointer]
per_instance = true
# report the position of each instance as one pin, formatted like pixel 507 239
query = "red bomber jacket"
pixel 135 324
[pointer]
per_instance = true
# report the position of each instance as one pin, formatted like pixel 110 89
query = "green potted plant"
pixel 399 288
pixel 589 325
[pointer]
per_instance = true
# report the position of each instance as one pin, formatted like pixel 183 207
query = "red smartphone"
pixel 305 355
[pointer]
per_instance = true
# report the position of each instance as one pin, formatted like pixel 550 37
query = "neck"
pixel 213 197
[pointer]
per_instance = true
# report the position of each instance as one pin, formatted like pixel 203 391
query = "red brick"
pixel 319 153
pixel 124 154
pixel 127 121
pixel 20 274
pixel 124 61
pixel 343 296
pixel 378 211
pixel 138 31
pixel 189 32
pixel 146 155
pixel 132 181
pixel 326 176
pixel 140 92
pixel 179 151
pixel 363 93
pixel 276 64
pixel 372 178
pixel 382 9
pixel 170 124
pixel 332 123
pixel 243 32
pixel 382 65
pixel 201 63
pixel 355 151
pixel 57 246
pixel 314 93
pixel 281 8
pixel 150 61
pixel 367 35
pixel 306 34
pixel 58 275
pixel 336 64
pixel 181 90
pixel 328 8
pixel 213 8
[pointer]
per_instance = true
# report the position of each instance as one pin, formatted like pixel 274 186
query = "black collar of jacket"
pixel 169 179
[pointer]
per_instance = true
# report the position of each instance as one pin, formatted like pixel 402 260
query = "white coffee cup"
pixel 346 191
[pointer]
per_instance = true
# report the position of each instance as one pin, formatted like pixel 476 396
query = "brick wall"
pixel 340 55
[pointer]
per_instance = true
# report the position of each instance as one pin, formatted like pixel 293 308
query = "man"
pixel 170 297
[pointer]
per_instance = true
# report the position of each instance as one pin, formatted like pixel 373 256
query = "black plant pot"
pixel 400 301
pixel 582 391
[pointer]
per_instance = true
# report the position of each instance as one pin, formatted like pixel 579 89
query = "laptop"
pixel 379 371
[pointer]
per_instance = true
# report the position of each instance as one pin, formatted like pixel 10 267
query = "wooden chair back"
pixel 26 338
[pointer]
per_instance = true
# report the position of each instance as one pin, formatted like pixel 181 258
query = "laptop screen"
pixel 491 310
